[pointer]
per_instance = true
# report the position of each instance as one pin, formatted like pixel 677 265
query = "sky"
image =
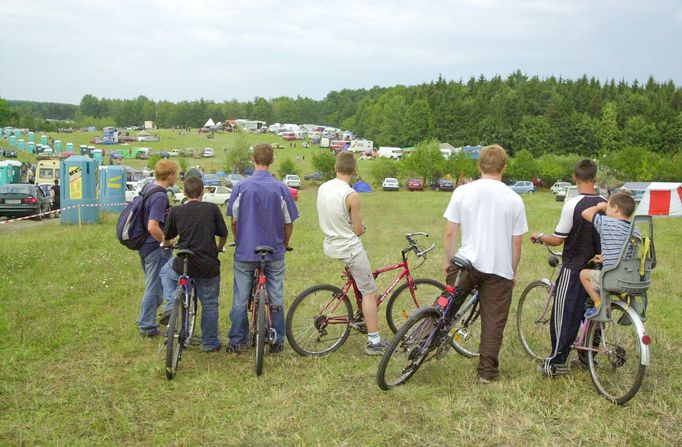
pixel 58 51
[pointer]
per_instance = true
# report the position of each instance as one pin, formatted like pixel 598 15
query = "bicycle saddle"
pixel 462 263
pixel 184 253
pixel 264 249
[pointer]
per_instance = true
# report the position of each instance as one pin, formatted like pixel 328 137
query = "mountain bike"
pixel 428 333
pixel 321 317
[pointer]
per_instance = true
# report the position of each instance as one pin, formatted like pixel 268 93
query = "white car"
pixel 292 181
pixel 208 152
pixel 390 184
pixel 174 153
pixel 219 195
pixel 132 191
pixel 560 186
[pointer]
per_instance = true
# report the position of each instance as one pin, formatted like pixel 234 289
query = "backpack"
pixel 130 229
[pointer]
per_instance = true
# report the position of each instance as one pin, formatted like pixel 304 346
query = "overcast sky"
pixel 176 50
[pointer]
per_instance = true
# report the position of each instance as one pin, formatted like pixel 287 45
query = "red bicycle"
pixel 321 317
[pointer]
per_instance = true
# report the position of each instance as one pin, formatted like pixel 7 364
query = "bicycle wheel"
pixel 409 348
pixel 402 301
pixel 192 315
pixel 616 365
pixel 533 314
pixel 318 320
pixel 467 332
pixel 174 336
pixel 261 329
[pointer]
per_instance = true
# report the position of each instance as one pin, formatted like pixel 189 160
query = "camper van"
pixel 364 146
pixel 324 142
pixel 47 171
pixel 390 152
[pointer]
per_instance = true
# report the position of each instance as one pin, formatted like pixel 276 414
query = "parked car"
pixel 560 186
pixel 317 175
pixel 292 181
pixel 415 184
pixel 174 153
pixel 23 199
pixel 390 184
pixel 232 179
pixel 294 193
pixel 219 195
pixel 10 153
pixel 208 152
pixel 442 184
pixel 132 191
pixel 571 192
pixel 523 187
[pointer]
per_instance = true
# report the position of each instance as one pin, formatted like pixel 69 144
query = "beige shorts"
pixel 595 279
pixel 359 267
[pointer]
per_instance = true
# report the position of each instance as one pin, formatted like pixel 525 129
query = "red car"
pixel 415 184
pixel 294 193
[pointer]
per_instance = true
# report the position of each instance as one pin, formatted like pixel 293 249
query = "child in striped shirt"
pixel 613 229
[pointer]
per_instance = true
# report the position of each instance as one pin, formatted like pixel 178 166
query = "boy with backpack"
pixel 197 224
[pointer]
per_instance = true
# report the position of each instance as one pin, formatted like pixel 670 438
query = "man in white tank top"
pixel 338 210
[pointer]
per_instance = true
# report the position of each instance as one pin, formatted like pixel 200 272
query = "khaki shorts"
pixel 595 279
pixel 359 267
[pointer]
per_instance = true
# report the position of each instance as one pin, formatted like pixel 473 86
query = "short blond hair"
pixel 164 168
pixel 492 159
pixel 345 163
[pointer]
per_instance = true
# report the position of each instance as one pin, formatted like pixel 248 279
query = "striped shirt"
pixel 614 234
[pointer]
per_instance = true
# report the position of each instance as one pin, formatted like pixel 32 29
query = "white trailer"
pixel 364 146
pixel 390 152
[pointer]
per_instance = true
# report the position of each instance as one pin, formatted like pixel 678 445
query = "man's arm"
pixel 288 230
pixel 353 204
pixel 589 213
pixel 450 241
pixel 547 239
pixel 155 229
pixel 517 242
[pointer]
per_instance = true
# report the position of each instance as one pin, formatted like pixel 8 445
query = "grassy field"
pixel 75 372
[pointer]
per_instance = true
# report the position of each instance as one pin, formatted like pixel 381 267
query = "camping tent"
pixel 361 187
pixel 661 199
pixel 209 123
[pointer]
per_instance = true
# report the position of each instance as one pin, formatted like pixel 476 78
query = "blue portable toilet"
pixel 112 191
pixel 97 155
pixel 12 140
pixel 57 146
pixel 20 144
pixel 69 147
pixel 31 147
pixel 8 132
pixel 43 139
pixel 32 137
pixel 17 133
pixel 10 172
pixel 78 177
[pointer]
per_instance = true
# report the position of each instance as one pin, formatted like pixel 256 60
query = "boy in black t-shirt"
pixel 581 243
pixel 197 224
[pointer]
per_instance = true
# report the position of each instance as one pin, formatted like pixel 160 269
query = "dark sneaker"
pixel 376 349
pixel 591 312
pixel 212 349
pixel 150 334
pixel 235 349
pixel 276 348
pixel 165 316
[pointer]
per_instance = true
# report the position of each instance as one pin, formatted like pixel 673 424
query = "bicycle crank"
pixel 444 347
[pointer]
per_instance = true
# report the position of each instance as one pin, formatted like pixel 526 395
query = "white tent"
pixel 209 123
pixel 661 199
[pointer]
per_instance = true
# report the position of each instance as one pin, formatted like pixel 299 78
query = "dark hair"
pixel 586 170
pixel 624 202
pixel 56 181
pixel 263 154
pixel 345 163
pixel 193 187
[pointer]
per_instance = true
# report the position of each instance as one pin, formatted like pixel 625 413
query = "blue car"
pixel 523 187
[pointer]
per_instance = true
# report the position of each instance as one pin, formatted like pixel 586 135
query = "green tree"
pixel 523 166
pixel 152 160
pixel 324 161
pixel 426 161
pixel 608 131
pixel 238 156
pixel 287 166
pixel 418 123
pixel 382 168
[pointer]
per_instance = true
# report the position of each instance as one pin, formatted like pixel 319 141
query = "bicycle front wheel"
pixel 466 333
pixel 261 329
pixel 409 348
pixel 174 336
pixel 533 314
pixel 403 300
pixel 318 321
pixel 616 362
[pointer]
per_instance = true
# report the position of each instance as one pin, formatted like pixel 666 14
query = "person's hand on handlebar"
pixel 536 237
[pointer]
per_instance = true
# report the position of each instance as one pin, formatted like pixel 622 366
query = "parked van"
pixel 324 142
pixel 364 146
pixel 47 171
pixel 390 152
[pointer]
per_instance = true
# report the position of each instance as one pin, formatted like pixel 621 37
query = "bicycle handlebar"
pixel 414 246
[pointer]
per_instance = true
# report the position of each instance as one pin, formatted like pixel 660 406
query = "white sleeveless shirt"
pixel 340 241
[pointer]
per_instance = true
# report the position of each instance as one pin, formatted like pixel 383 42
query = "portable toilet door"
pixel 20 144
pixel 57 146
pixel 112 192
pixel 69 147
pixel 31 147
pixel 43 139
pixel 5 174
pixel 12 140
pixel 32 137
pixel 78 193
pixel 97 155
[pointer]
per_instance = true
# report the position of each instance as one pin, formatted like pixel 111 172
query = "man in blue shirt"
pixel 262 212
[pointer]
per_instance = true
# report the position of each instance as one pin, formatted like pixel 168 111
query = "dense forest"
pixel 556 116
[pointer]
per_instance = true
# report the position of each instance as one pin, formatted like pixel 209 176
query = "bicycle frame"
pixel 259 283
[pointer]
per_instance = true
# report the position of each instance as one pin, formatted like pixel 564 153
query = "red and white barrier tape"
pixel 60 210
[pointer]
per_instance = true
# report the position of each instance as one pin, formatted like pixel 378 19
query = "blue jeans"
pixel 243 281
pixel 153 293
pixel 208 290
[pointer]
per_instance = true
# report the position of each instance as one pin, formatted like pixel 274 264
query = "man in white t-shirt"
pixel 491 219
pixel 338 210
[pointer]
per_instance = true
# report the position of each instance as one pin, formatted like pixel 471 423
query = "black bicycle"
pixel 429 332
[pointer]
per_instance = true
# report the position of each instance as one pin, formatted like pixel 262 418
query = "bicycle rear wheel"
pixel 174 336
pixel 402 301
pixel 409 348
pixel 616 368
pixel 192 314
pixel 318 321
pixel 466 332
pixel 261 329
pixel 533 315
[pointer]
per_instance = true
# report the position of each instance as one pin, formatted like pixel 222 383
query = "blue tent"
pixel 361 187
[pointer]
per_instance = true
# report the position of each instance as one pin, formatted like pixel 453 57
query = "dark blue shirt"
pixel 261 206
pixel 155 208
